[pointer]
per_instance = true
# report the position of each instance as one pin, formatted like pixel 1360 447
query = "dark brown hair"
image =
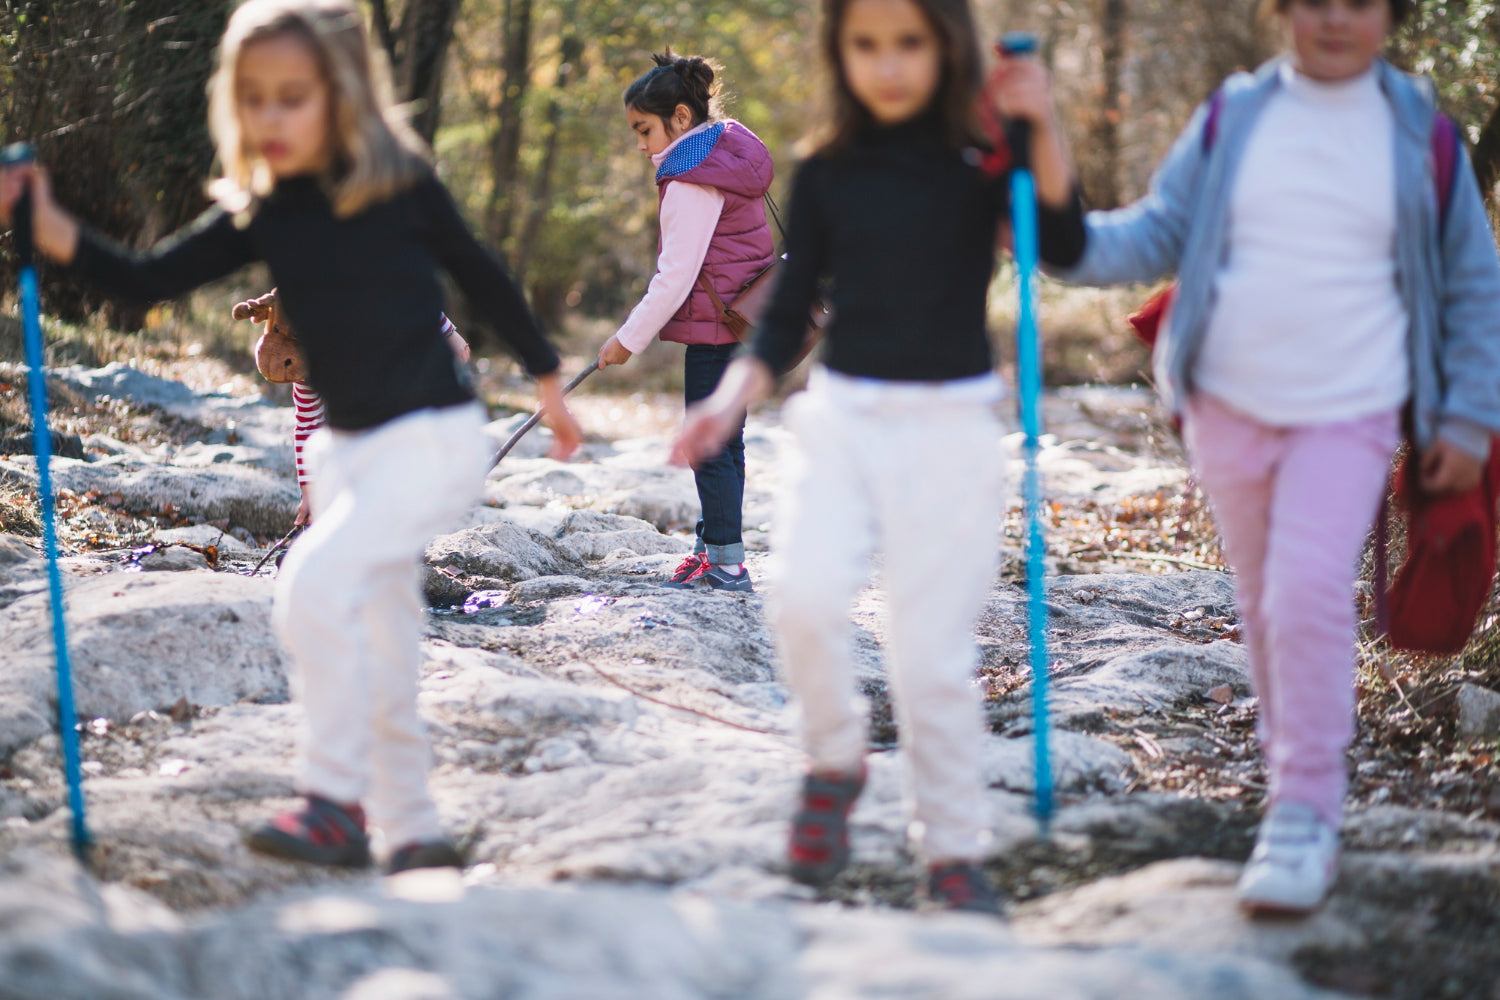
pixel 957 92
pixel 676 80
pixel 1400 9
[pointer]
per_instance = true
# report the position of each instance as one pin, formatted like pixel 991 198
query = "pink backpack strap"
pixel 1381 558
pixel 1211 123
pixel 1444 160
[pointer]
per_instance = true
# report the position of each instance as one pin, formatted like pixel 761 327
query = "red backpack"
pixel 1435 599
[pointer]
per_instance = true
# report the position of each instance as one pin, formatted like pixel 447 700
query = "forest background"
pixel 521 100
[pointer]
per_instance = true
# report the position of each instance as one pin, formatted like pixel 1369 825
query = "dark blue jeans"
pixel 721 479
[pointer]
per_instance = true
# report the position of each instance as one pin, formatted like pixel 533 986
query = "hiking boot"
pixel 818 848
pixel 424 854
pixel 1293 865
pixel 962 886
pixel 688 568
pixel 710 577
pixel 322 832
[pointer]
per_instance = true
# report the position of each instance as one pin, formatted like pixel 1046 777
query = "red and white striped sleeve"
pixel 447 329
pixel 309 409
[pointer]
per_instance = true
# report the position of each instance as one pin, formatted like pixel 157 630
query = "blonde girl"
pixel 326 184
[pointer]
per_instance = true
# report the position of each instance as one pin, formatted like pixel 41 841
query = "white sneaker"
pixel 1293 865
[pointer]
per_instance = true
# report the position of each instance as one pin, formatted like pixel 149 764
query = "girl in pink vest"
pixel 711 175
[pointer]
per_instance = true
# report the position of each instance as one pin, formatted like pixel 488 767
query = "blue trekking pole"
pixel 1029 378
pixel 36 378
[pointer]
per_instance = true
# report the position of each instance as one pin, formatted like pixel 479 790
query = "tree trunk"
pixel 384 30
pixel 541 188
pixel 417 46
pixel 429 31
pixel 505 146
pixel 1105 189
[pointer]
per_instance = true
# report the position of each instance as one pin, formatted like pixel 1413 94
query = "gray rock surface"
pixel 426 936
pixel 619 762
pixel 138 642
pixel 1478 713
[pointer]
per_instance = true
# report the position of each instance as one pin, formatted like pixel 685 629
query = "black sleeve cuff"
pixel 1062 236
pixel 538 366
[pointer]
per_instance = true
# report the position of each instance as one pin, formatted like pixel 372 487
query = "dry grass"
pixel 18 512
pixel 198 326
pixel 1085 338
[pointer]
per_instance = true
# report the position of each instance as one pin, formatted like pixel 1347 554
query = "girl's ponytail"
pixel 686 80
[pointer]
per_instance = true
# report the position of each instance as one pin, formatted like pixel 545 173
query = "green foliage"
pixel 594 242
pixel 114 95
pixel 1457 43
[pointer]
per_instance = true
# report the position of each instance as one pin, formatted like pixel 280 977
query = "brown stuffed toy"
pixel 278 356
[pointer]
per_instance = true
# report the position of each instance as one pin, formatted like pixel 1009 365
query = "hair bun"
pixel 696 70
pixel 676 80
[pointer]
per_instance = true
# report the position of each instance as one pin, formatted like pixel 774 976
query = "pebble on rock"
pixel 1478 713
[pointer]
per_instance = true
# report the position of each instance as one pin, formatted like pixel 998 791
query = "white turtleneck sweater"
pixel 1308 324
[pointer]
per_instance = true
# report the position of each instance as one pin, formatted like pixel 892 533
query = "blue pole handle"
pixel 16 154
pixel 1018 45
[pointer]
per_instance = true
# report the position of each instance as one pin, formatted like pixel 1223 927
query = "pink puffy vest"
pixel 727 156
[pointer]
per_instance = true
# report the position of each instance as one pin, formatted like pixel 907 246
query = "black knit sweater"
pixel 362 293
pixel 903 226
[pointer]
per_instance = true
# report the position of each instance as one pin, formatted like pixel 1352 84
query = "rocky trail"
pixel 619 761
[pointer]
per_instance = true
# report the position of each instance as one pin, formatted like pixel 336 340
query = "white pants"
pixel 348 608
pixel 914 471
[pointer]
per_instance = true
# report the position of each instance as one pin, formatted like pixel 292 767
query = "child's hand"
pixel 1021 87
pixel 566 434
pixel 304 510
pixel 54 230
pixel 14 182
pixel 708 424
pixel 705 428
pixel 613 353
pixel 1446 469
pixel 460 347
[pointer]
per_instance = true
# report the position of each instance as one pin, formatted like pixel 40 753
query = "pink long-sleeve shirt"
pixel 689 215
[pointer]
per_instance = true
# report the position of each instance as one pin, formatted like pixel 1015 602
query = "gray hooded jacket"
pixel 1447 268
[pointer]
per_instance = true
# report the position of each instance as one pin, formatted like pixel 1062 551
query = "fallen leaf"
pixel 182 710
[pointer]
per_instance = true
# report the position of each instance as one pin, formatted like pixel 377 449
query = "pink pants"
pixel 1294 505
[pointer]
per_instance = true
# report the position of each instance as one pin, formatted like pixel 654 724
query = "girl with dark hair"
pixel 898 436
pixel 711 175
pixel 1325 297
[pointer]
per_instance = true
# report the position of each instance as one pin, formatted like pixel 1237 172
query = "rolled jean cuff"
pixel 724 555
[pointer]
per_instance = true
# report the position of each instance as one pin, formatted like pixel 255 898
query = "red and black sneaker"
pixel 424 854
pixel 690 568
pixel 963 886
pixel 322 832
pixel 818 848
pixel 704 575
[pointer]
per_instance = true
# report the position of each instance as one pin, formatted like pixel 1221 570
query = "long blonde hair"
pixel 375 152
